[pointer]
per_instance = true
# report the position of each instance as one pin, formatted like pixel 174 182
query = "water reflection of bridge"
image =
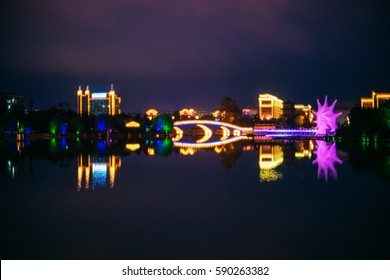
pixel 209 129
pixel 211 144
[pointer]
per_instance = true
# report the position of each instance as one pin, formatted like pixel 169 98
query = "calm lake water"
pixel 145 199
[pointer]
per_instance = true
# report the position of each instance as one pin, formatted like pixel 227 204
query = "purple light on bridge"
pixel 326 159
pixel 326 117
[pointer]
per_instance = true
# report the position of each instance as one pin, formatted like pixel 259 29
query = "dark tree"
pixel 231 110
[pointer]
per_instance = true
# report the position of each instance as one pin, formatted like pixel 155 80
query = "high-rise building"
pixel 98 103
pixel 270 107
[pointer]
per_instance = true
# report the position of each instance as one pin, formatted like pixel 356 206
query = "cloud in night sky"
pixel 181 53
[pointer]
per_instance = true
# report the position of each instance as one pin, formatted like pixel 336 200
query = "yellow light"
pixel 219 149
pixel 311 144
pixel 236 132
pixel 87 172
pixel 248 148
pixel 79 176
pixel 112 169
pixel 216 114
pixel 226 133
pixel 244 130
pixel 150 151
pixel 152 112
pixel 133 147
pixel 270 175
pixel 207 133
pixel 187 151
pixel 133 124
pixel 179 134
pixel 299 155
pixel 211 144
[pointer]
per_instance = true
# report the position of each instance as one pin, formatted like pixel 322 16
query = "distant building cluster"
pixel 269 108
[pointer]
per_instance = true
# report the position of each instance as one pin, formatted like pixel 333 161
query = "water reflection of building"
pixel 97 172
pixel 304 149
pixel 270 157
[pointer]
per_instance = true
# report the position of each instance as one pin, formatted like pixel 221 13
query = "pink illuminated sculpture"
pixel 326 118
pixel 326 158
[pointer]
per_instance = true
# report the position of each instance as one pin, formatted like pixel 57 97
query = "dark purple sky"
pixel 175 54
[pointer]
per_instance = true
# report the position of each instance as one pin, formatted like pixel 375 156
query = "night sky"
pixel 192 53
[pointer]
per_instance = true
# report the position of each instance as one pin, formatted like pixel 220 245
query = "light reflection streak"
pixel 270 157
pixel 98 174
pixel 226 133
pixel 210 144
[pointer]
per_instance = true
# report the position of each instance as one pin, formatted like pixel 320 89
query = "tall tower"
pixel 83 106
pixel 111 99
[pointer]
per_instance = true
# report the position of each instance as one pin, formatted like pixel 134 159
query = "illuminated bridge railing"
pixel 245 130
pixel 284 132
pixel 210 144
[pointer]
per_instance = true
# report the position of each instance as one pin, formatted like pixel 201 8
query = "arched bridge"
pixel 210 128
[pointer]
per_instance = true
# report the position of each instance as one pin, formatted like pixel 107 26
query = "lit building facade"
pixel 270 107
pixel 375 100
pixel 98 103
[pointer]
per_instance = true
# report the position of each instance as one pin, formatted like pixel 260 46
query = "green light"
pixel 22 128
pixel 163 123
pixel 53 145
pixel 53 126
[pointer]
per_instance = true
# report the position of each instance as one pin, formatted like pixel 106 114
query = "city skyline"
pixel 176 54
